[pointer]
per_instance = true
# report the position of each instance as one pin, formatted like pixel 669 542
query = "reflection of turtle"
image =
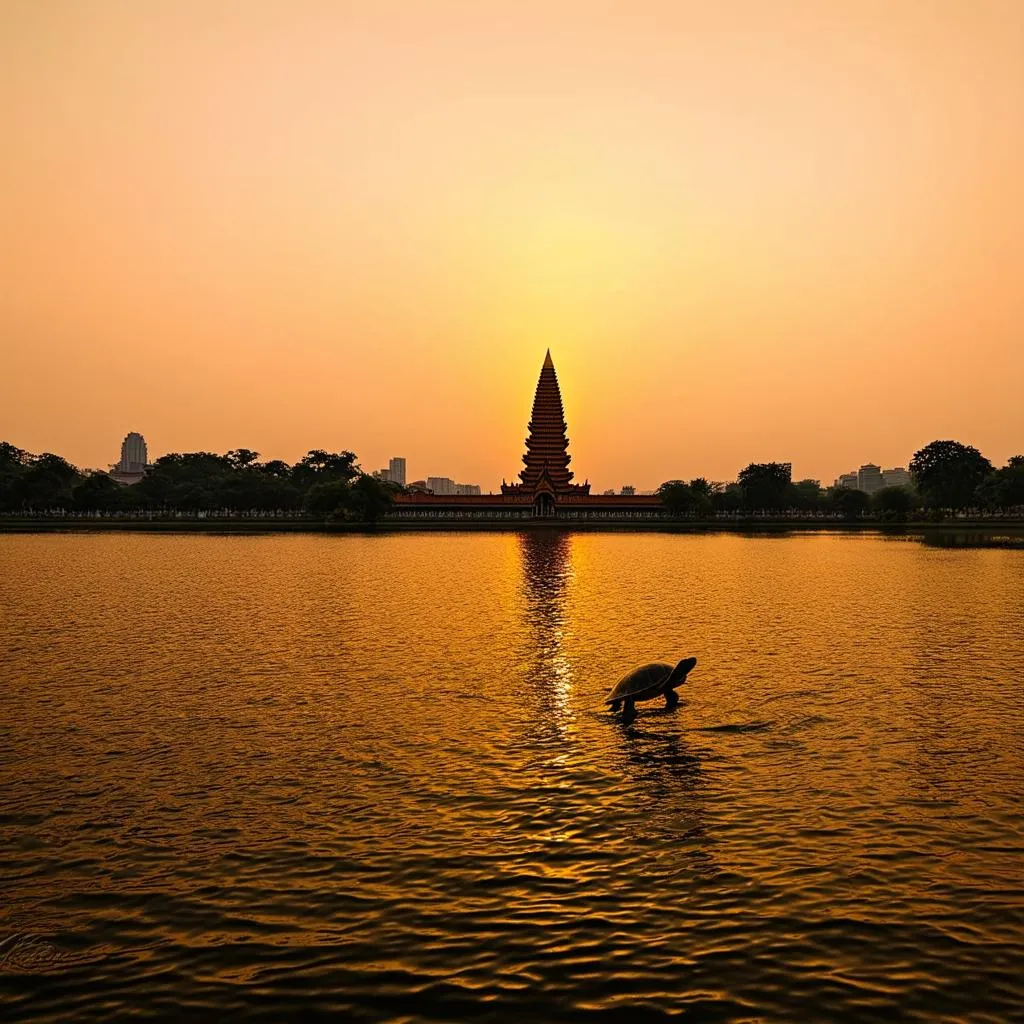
pixel 647 682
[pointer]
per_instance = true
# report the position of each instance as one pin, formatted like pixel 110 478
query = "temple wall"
pixel 524 515
pixel 516 508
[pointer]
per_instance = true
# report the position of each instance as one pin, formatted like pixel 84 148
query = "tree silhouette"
pixel 806 495
pixel 98 492
pixel 370 498
pixel 318 463
pixel 850 503
pixel 765 485
pixel 947 473
pixel 47 482
pixel 677 497
pixel 1005 487
pixel 327 499
pixel 893 502
pixel 728 499
pixel 276 467
pixel 13 464
pixel 241 458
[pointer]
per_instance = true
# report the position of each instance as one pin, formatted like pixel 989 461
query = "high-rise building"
pixel 628 489
pixel 869 478
pixel 444 485
pixel 441 484
pixel 134 458
pixel 131 467
pixel 897 477
pixel 545 474
pixel 396 471
pixel 847 480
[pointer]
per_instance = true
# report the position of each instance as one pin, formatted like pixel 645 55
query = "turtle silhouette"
pixel 647 682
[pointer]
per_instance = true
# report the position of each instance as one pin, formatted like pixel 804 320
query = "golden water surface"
pixel 283 776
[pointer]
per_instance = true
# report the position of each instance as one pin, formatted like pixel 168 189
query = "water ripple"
pixel 370 778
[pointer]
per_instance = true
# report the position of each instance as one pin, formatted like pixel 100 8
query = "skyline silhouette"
pixel 545 476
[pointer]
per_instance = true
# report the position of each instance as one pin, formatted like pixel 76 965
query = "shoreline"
pixel 1011 527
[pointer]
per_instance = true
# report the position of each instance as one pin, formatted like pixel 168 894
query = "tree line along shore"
pixel 951 481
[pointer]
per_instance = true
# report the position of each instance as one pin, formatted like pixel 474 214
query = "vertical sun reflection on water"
pixel 546 558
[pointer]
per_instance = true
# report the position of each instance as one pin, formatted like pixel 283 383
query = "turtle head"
pixel 680 672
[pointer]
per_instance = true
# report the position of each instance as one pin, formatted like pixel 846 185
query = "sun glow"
pixel 757 219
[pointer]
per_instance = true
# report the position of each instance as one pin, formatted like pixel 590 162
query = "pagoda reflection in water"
pixel 546 559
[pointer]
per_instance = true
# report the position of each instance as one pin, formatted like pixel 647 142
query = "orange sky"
pixel 748 231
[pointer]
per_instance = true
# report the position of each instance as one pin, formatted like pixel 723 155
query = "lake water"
pixel 278 777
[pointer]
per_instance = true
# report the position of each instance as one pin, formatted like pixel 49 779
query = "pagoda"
pixel 545 476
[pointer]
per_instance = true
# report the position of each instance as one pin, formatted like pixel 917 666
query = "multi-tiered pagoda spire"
pixel 546 460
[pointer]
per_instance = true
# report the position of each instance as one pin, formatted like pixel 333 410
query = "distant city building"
pixel 610 491
pixel 897 477
pixel 869 478
pixel 441 484
pixel 131 467
pixel 395 473
pixel 628 489
pixel 133 454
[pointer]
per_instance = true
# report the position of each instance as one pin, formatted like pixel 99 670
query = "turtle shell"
pixel 642 683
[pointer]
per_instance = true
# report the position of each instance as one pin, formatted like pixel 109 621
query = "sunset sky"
pixel 747 230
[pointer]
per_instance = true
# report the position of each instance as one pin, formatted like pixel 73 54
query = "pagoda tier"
pixel 546 459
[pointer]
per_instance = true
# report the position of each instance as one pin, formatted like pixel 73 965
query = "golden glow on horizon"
pixel 746 231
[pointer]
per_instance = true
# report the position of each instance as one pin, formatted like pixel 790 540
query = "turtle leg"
pixel 671 698
pixel 628 712
pixel 616 704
